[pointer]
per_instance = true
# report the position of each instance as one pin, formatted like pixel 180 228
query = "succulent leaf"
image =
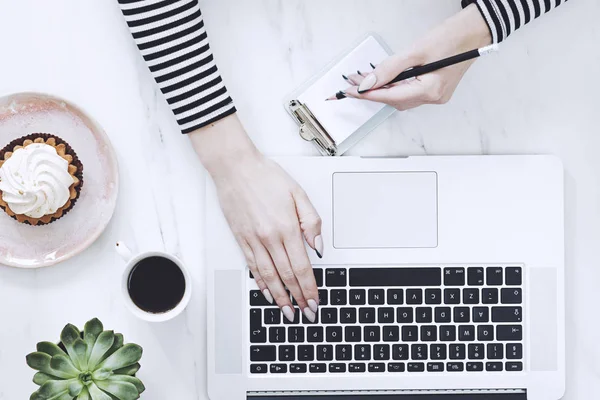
pixel 40 378
pixel 68 336
pixel 36 396
pixel 96 393
pixel 80 351
pixel 121 390
pixel 75 388
pixel 63 396
pixel 101 374
pixel 118 343
pixel 103 344
pixel 84 395
pixel 125 356
pixel 42 362
pixel 130 370
pixel 64 364
pixel 53 388
pixel 50 348
pixel 131 379
pixel 91 330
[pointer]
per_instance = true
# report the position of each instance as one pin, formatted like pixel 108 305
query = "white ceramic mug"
pixel 132 261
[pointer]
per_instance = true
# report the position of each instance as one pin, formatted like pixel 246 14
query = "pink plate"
pixel 25 246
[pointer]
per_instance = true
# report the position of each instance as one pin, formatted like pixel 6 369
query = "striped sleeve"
pixel 171 37
pixel 506 16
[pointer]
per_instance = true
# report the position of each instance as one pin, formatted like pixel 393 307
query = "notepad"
pixel 341 123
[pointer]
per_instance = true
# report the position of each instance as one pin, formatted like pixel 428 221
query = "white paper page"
pixel 341 118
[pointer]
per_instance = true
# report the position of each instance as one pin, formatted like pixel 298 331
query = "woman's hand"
pixel 464 31
pixel 268 212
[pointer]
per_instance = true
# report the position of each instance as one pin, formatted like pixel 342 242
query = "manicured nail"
pixel 360 73
pixel 372 66
pixel 367 83
pixel 319 246
pixel 345 78
pixel 267 295
pixel 309 314
pixel 288 313
pixel 313 305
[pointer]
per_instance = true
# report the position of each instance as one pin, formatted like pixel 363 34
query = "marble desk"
pixel 540 94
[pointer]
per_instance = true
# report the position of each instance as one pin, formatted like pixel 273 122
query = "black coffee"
pixel 156 284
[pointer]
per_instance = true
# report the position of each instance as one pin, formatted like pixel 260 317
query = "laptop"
pixel 442 279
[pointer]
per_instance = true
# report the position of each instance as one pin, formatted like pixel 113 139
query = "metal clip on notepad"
pixel 310 128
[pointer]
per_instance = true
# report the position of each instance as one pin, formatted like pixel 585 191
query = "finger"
pixel 385 72
pixel 355 79
pixel 310 221
pixel 294 246
pixel 251 262
pixel 402 96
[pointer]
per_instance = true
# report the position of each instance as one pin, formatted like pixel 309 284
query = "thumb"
pixel 310 221
pixel 385 72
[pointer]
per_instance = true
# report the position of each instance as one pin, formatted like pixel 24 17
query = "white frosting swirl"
pixel 35 181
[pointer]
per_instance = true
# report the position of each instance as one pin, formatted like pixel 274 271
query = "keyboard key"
pixel 278 368
pixel 306 353
pixel 386 277
pixel 358 297
pixel 435 367
pixel 333 334
pixel 263 353
pixel 338 297
pixel 391 334
pixel 343 352
pixel 514 351
pixel 385 315
pixel 418 352
pixel 428 333
pixel 455 367
pixel 362 352
pixel 257 299
pixel 298 368
pixel 447 333
pixel 514 366
pixel 258 368
pixel 495 351
pixel 323 297
pixel 318 276
pixel 509 332
pixel 489 296
pixel 511 296
pixel 357 367
pixel 474 366
pixel 414 296
pixel 396 367
pixel 481 314
pixel 296 334
pixel 485 333
pixel 376 296
pixel 410 333
pixel 324 352
pixel 514 277
pixel 404 315
pixel 348 315
pixel 255 318
pixel 471 296
pixel 443 315
pixel 437 351
pixel 507 314
pixel 475 276
pixel 476 351
pixel 466 333
pixel 400 352
pixel 372 334
pixel 462 314
pixel 305 320
pixel 352 334
pixel 451 296
pixel 454 276
pixel 493 366
pixel 258 334
pixel 416 367
pixel 314 334
pixel 317 368
pixel 433 296
pixel 381 352
pixel 335 277
pixel 395 296
pixel 277 334
pixel 457 351
pixel 329 316
pixel 287 353
pixel 424 315
pixel 494 276
pixel 366 315
pixel 376 367
pixel 296 320
pixel 337 367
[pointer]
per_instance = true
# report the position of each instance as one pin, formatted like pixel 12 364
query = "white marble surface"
pixel 538 95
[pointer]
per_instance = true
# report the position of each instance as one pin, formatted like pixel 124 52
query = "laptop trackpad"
pixel 385 210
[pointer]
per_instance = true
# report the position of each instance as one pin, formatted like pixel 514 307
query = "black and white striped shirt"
pixel 172 39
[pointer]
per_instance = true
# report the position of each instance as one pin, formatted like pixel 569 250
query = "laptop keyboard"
pixel 396 320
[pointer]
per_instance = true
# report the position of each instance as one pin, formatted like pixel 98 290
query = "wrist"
pixel 476 28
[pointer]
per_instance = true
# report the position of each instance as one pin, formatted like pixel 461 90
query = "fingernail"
pixel 372 66
pixel 309 314
pixel 313 305
pixel 367 83
pixel 319 246
pixel 358 72
pixel 267 295
pixel 288 313
pixel 345 78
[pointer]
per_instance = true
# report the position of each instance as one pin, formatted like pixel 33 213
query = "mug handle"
pixel 123 251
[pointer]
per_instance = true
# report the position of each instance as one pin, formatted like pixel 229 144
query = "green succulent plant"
pixel 91 365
